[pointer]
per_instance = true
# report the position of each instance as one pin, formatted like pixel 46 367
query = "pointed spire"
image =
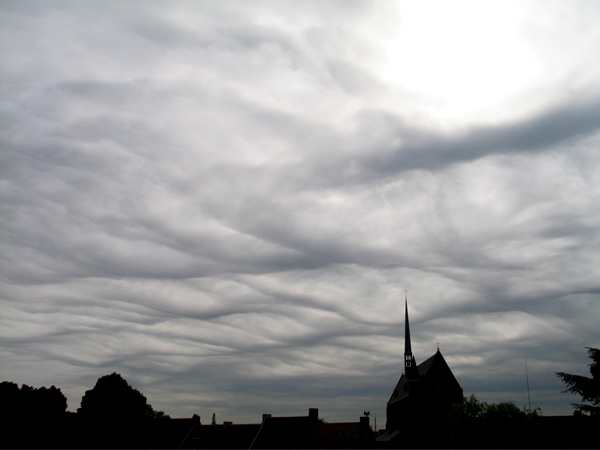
pixel 409 359
pixel 407 346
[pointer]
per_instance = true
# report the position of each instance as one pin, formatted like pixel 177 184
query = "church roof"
pixel 433 370
pixel 432 363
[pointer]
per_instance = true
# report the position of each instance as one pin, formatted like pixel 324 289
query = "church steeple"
pixel 407 347
pixel 423 391
pixel 409 359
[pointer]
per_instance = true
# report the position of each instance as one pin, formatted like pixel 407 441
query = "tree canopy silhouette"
pixel 27 400
pixel 112 398
pixel 475 424
pixel 588 388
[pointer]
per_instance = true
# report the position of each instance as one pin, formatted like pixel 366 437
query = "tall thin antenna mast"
pixel 527 377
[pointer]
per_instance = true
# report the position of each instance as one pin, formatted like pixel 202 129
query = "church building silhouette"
pixel 424 392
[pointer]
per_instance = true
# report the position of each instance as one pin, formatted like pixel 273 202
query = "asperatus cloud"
pixel 227 202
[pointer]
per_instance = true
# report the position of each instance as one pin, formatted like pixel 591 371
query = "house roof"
pixel 302 432
pixel 339 435
pixel 282 432
pixel 221 436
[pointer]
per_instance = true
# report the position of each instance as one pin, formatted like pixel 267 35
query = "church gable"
pixel 436 370
pixel 434 376
pixel 438 381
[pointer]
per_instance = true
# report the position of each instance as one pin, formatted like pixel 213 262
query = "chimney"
pixel 364 421
pixel 313 414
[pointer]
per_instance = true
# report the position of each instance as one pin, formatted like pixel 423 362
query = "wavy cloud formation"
pixel 224 202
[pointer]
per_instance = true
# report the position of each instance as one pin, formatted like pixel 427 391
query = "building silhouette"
pixel 424 392
pixel 282 432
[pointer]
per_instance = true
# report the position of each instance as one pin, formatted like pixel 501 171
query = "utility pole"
pixel 527 377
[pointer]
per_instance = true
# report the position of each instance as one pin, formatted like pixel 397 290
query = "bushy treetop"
pixel 27 400
pixel 113 398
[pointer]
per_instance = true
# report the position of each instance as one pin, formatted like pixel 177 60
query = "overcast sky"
pixel 224 200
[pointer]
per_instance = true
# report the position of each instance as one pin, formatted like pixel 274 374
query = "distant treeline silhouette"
pixel 26 400
pixel 111 399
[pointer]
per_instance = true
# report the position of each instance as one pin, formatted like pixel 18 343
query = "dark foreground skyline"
pixel 224 201
pixel 423 412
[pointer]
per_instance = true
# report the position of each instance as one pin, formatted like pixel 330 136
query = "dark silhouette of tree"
pixel 43 402
pixel 112 398
pixel 588 388
pixel 9 397
pixel 476 423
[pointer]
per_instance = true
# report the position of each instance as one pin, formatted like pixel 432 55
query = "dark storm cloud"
pixel 430 150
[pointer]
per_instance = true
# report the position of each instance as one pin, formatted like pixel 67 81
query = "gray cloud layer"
pixel 223 201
